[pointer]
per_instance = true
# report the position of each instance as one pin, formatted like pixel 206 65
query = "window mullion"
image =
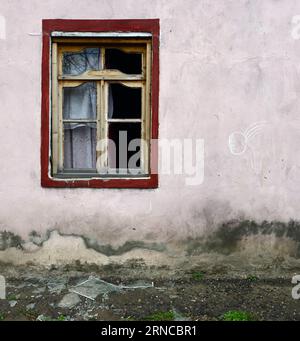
pixel 101 128
pixel 55 128
pixel 102 59
pixel 104 86
pixel 61 128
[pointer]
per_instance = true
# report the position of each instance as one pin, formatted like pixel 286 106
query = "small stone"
pixel 30 306
pixel 12 303
pixel 39 290
pixel 69 301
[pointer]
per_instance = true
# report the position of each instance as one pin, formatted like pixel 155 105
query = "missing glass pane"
pixel 79 146
pixel 130 63
pixel 76 63
pixel 124 136
pixel 124 102
pixel 80 102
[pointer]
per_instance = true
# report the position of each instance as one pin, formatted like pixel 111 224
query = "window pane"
pixel 80 102
pixel 130 63
pixel 122 134
pixel 79 146
pixel 124 102
pixel 76 63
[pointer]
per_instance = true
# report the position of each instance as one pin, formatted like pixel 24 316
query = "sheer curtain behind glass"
pixel 79 103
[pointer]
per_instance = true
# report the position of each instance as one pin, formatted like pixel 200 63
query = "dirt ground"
pixel 136 292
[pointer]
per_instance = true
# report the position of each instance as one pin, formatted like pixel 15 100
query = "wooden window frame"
pixel 127 32
pixel 102 78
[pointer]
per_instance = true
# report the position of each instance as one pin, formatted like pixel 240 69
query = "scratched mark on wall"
pixel 240 142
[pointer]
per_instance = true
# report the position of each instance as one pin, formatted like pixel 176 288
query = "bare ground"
pixel 35 294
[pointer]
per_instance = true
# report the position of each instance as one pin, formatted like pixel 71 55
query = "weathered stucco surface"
pixel 225 66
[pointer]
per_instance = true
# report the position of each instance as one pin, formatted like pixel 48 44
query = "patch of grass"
pixel 252 278
pixel 61 318
pixel 11 297
pixel 2 317
pixel 197 275
pixel 237 315
pixel 160 316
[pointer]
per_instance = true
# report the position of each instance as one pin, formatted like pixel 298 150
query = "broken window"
pixel 130 63
pixel 100 108
pixel 124 102
pixel 100 89
pixel 125 136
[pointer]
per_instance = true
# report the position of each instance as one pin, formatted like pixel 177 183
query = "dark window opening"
pixel 130 63
pixel 124 102
pixel 123 134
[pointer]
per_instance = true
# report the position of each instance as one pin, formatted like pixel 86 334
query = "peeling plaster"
pixel 266 240
pixel 107 250
pixel 62 250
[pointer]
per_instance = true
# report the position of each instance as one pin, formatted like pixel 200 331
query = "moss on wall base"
pixel 242 245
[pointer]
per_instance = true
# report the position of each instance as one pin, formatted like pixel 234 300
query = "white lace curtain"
pixel 80 137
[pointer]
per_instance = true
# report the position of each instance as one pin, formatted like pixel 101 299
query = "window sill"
pixel 89 176
pixel 106 181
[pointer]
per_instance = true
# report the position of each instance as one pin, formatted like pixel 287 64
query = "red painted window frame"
pixel 71 25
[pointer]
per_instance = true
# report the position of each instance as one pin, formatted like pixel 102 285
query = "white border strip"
pixel 102 34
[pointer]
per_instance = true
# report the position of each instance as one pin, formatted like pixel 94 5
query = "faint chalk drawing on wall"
pixel 241 141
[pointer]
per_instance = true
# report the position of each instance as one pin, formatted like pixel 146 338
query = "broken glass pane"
pixel 130 63
pixel 76 63
pixel 80 102
pixel 79 146
pixel 124 102
pixel 121 134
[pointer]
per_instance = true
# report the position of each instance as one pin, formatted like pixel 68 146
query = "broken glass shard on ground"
pixel 94 287
pixel 56 285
